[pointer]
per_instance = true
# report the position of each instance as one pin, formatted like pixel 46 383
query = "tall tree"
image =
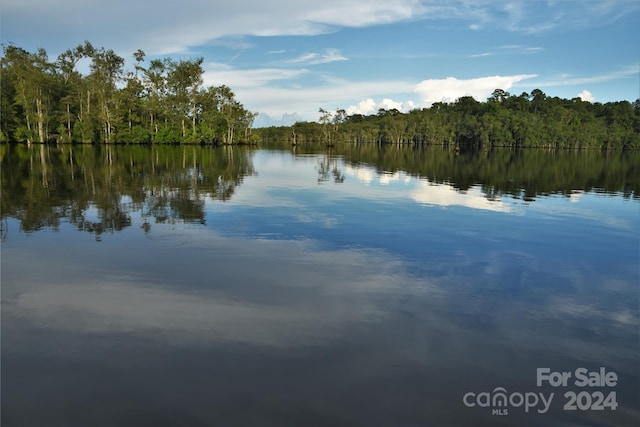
pixel 184 80
pixel 106 72
pixel 32 76
pixel 73 85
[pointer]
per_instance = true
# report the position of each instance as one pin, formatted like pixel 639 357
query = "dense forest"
pixel 164 102
pixel 504 120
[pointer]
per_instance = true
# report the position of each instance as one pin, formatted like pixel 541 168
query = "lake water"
pixel 361 286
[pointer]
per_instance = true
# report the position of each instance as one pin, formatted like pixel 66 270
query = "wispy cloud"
pixel 236 56
pixel 223 74
pixel 314 58
pixel 516 48
pixel 480 55
pixel 535 17
pixel 236 43
pixel 573 80
pixel 532 49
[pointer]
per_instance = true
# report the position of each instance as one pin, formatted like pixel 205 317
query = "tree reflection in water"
pixel 97 188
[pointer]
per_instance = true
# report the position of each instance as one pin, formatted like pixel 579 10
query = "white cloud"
pixel 586 96
pixel 480 55
pixel 276 91
pixel 366 106
pixel 369 106
pixel 451 88
pixel 390 104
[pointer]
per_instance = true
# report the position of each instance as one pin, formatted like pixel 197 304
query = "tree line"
pixel 164 102
pixel 527 120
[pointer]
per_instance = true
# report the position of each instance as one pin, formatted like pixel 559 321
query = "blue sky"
pixel 284 56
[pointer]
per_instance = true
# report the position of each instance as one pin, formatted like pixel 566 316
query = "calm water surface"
pixel 190 286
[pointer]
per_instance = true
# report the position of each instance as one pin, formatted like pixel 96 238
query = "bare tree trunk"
pixel 69 122
pixel 107 121
pixel 193 119
pixel 26 111
pixel 39 120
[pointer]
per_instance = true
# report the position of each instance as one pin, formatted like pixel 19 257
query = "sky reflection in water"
pixel 347 297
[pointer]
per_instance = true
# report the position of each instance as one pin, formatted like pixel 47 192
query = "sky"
pixel 292 57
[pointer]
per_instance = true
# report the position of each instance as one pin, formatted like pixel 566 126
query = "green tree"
pixel 184 79
pixel 325 122
pixel 32 78
pixel 155 86
pixel 106 73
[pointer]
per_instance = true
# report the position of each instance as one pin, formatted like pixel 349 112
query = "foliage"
pixel 51 101
pixel 504 120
